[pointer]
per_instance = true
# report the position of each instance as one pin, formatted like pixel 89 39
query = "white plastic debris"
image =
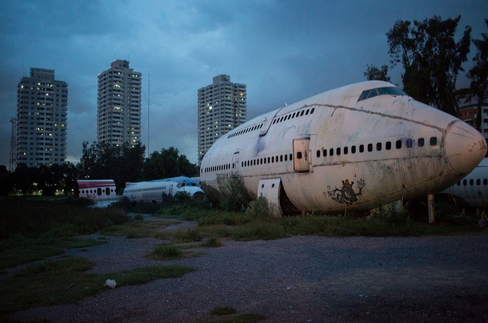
pixel 110 283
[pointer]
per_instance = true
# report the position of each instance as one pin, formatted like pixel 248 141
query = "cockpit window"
pixel 380 91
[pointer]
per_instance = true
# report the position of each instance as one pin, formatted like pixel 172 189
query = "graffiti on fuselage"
pixel 346 193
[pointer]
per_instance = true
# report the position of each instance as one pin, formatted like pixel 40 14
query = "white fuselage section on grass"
pixel 163 190
pixel 353 148
pixel 473 188
pixel 96 189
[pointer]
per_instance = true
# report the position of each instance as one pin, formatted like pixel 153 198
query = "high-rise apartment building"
pixel 222 106
pixel 42 116
pixel 119 105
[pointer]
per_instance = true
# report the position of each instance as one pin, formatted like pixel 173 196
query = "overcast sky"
pixel 284 51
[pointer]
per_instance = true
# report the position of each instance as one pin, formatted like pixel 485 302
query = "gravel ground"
pixel 298 279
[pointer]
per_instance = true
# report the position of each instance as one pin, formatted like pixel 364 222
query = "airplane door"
pixel 301 155
pixel 270 189
pixel 235 162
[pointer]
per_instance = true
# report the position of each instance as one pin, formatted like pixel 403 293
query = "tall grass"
pixel 36 228
pixel 259 221
pixel 35 217
pixel 188 210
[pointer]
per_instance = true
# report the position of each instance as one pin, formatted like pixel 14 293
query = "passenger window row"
pixel 409 143
pixel 251 162
pixel 276 120
pixel 294 115
pixel 464 182
pixel 267 160
pixel 99 191
pixel 217 168
pixel 240 132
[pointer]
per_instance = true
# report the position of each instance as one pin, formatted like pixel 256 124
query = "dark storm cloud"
pixel 283 50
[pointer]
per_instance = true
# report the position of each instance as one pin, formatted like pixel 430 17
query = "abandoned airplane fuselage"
pixel 354 148
pixel 473 188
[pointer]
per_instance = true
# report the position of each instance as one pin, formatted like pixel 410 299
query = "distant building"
pixel 222 106
pixel 42 114
pixel 468 114
pixel 119 105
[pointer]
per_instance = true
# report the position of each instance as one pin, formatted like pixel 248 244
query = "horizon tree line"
pixel 99 161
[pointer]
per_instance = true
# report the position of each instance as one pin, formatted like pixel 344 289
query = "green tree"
pixel 431 59
pixel 130 164
pixel 479 75
pixel 167 163
pixel 379 74
pixel 87 166
pixel 104 161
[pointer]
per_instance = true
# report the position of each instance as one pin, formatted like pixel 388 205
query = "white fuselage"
pixel 473 189
pixel 162 190
pixel 335 151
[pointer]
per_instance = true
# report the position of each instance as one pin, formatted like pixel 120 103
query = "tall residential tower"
pixel 119 105
pixel 42 115
pixel 221 107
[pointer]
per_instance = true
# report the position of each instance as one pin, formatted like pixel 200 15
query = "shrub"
pixel 212 243
pixel 187 210
pixel 259 230
pixel 260 208
pixel 391 215
pixel 182 196
pixel 234 196
pixel 188 235
pixel 166 251
pixel 100 218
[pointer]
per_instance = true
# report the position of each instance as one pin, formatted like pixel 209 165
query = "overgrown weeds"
pixel 165 251
pixel 234 196
pixel 256 223
pixel 212 243
pixel 191 235
pixel 188 210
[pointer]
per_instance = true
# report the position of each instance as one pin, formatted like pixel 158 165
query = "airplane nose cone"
pixel 465 147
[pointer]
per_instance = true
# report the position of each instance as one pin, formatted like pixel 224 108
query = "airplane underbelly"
pixel 334 188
